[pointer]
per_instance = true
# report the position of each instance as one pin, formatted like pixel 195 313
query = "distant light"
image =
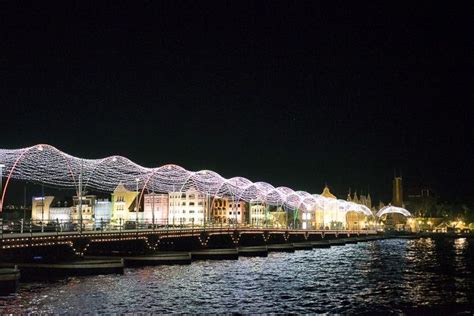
pixel 114 159
pixel 40 147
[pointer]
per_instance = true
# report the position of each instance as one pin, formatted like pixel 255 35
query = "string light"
pixel 50 166
pixel 389 209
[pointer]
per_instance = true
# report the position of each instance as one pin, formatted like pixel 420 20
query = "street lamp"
pixel 153 196
pixel 1 186
pixel 136 204
pixel 1 195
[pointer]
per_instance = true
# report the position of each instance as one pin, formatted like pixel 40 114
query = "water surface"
pixel 388 276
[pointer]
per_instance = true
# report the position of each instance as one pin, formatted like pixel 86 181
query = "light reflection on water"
pixel 380 276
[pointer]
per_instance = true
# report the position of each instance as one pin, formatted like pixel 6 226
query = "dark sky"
pixel 293 93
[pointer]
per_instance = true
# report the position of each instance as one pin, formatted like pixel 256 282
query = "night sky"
pixel 292 93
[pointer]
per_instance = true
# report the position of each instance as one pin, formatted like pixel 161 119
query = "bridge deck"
pixel 179 232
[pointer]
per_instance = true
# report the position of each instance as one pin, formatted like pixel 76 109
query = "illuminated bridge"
pixel 48 165
pixel 45 164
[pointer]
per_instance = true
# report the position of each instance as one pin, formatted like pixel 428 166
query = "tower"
pixel 397 191
pixel 355 199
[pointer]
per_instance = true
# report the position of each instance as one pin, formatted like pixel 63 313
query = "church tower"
pixel 355 199
pixel 397 192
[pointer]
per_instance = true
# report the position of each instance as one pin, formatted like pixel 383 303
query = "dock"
pixel 9 279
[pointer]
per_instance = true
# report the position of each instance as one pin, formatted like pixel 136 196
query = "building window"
pixel 183 196
pixel 191 196
pixel 191 203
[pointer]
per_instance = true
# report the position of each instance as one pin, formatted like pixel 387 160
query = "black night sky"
pixel 292 93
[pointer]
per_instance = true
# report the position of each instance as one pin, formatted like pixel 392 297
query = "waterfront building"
pixel 156 207
pixel 187 208
pixel 354 219
pixel 278 218
pixel 360 199
pixel 124 205
pixel 306 219
pixel 422 202
pixel 331 214
pixel 258 213
pixel 87 208
pixel 40 208
pixel 61 213
pixel 49 208
pixel 226 211
pixel 102 212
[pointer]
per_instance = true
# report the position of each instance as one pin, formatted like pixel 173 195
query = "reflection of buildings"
pixel 226 211
pixel 123 205
pixel 187 207
pixel 156 206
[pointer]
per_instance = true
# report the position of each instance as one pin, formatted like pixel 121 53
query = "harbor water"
pixel 385 276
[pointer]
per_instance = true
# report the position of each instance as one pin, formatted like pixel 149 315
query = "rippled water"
pixel 396 276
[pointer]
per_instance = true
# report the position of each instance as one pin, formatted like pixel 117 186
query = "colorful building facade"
pixel 156 208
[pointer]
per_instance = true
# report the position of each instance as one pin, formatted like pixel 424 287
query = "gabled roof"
pixel 326 193
pixel 121 188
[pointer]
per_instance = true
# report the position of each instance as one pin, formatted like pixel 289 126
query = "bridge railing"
pixel 35 227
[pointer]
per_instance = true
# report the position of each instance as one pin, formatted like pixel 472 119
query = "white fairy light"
pixel 50 166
